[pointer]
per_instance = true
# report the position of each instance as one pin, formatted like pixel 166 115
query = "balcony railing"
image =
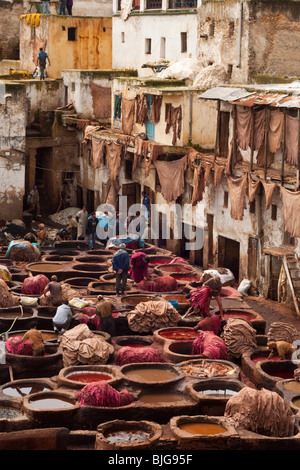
pixel 153 4
pixel 177 4
pixel 161 4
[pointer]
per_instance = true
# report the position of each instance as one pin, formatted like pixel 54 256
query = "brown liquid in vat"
pixel 202 428
pixel 161 398
pixel 293 386
pixel 46 267
pixel 51 403
pixel 150 375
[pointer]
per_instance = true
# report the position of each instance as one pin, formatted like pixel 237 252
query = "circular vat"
pixel 205 368
pixel 51 357
pixel 267 373
pixel 79 376
pixel 180 351
pixel 133 341
pixel 250 359
pixel 105 253
pixel 108 288
pixel 91 259
pixel 89 268
pixel 45 267
pixel 79 282
pixel 191 429
pixel 127 435
pixel 18 389
pixel 186 278
pixel 60 258
pixel 213 389
pixel 70 253
pixel 154 260
pixel 163 398
pixel 153 373
pixel 133 300
pixel 50 407
pixel 175 334
pixel 48 335
pixel 167 270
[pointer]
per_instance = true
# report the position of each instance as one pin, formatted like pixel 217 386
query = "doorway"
pixel 133 193
pixel 229 255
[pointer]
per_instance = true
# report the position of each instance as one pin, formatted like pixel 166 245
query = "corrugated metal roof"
pixel 288 102
pixel 224 94
pixel 260 99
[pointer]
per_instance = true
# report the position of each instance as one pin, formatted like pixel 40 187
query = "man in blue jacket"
pixel 121 264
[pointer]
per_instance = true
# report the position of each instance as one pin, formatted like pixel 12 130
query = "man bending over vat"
pixel 35 337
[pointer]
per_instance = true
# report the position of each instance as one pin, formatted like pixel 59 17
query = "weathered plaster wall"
pixel 218 37
pixel 129 37
pixel 13 119
pixel 274 36
pixel 10 11
pixel 92 48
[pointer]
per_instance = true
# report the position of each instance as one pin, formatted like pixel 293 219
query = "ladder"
pixel 292 268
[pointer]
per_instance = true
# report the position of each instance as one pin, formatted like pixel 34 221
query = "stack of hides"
pixel 159 284
pixel 81 346
pixel 209 345
pixel 261 411
pixel 66 293
pixel 102 394
pixel 152 315
pixel 281 331
pixel 34 285
pixel 22 250
pixel 6 298
pixel 129 355
pixel 89 317
pixel 22 349
pixel 239 337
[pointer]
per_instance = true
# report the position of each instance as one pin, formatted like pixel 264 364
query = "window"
pixel 72 34
pixel 163 48
pixel 183 37
pixel 147 46
pixel 212 29
pixel 122 37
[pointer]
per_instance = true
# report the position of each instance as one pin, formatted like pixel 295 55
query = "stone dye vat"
pixel 79 283
pixel 52 408
pixel 132 341
pixel 250 359
pixel 154 260
pixel 79 376
pixel 267 373
pixel 18 389
pixel 133 300
pixel 16 317
pixel 59 258
pixel 89 269
pixel 45 268
pixel 175 334
pixel 179 351
pixel 104 288
pixel 153 373
pixel 212 394
pixel 169 269
pixel 92 259
pixel 127 435
pixel 202 432
pixel 208 368
pixel 35 366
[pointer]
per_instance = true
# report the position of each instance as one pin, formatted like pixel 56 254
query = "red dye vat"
pixel 243 315
pixel 263 358
pixel 179 335
pixel 283 374
pixel 88 377
pixel 187 278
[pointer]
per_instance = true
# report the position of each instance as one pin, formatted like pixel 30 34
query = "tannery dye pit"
pixel 93 380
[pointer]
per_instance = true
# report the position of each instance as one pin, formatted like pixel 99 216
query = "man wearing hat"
pixel 121 264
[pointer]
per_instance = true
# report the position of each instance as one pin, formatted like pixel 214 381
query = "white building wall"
pixel 129 39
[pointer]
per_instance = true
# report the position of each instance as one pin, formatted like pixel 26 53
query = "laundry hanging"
pixel 252 188
pixel 275 130
pixel 171 177
pixel 207 170
pixel 142 109
pixel 291 211
pixel 101 101
pixel 243 127
pixel 291 139
pixel 155 108
pixel 98 150
pixel 173 119
pixel 218 172
pixel 237 189
pixel 113 159
pixel 127 115
pixel 198 184
pixel 259 127
pixel 269 191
